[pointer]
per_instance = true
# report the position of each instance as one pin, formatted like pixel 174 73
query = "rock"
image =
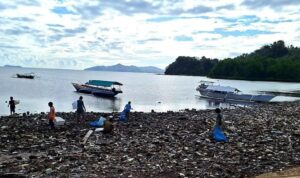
pixel 48 171
pixel 263 138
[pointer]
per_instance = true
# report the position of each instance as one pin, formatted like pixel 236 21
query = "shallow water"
pixel 145 91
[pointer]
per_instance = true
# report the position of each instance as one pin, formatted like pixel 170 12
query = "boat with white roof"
pixel 207 89
pixel 99 88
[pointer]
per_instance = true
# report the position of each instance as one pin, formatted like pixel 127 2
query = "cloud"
pixel 21 30
pixel 55 25
pixel 4 6
pixel 149 40
pixel 75 30
pixel 82 33
pixel 132 7
pixel 10 46
pixel 170 18
pixel 253 4
pixel 21 19
pixel 199 10
pixel 226 7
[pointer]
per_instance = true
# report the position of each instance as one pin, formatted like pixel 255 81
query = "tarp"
pixel 221 88
pixel 103 83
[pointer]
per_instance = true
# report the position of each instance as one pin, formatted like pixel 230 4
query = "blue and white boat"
pixel 99 88
pixel 207 89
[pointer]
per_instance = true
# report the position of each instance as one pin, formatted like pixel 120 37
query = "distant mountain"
pixel 11 66
pixel 123 68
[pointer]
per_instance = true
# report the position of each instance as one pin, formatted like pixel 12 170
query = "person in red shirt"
pixel 51 115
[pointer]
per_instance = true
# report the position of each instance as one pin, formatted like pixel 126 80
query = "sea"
pixel 146 91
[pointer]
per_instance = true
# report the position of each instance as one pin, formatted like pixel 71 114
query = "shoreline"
pixel 263 138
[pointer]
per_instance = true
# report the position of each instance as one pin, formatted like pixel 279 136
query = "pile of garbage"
pixel 262 138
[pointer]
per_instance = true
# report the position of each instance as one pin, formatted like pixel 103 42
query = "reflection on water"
pixel 284 93
pixel 217 103
pixel 109 104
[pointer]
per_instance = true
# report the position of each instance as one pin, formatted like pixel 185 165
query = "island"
pixel 12 66
pixel 124 68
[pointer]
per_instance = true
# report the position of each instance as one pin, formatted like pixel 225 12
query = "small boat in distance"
pixel 99 88
pixel 207 89
pixel 27 76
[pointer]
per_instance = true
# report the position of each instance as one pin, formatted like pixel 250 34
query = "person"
pixel 12 105
pixel 218 133
pixel 219 120
pixel 127 109
pixel 108 126
pixel 80 109
pixel 51 115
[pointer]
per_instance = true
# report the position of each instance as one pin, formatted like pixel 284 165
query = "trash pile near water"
pixel 263 138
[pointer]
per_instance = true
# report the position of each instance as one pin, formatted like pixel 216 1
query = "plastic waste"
pixel 74 105
pixel 99 129
pixel 98 123
pixel 59 121
pixel 17 102
pixel 219 136
pixel 123 116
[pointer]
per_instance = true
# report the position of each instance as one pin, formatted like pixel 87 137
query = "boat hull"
pixel 235 97
pixel 25 76
pixel 95 91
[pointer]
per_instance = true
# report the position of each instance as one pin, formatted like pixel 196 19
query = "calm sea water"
pixel 145 91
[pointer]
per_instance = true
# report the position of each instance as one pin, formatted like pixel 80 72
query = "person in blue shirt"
pixel 80 109
pixel 127 109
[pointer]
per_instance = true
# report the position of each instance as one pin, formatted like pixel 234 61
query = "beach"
pixel 262 138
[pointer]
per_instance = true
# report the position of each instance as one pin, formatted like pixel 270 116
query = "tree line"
pixel 274 62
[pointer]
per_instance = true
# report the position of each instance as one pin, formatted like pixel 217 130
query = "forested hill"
pixel 185 65
pixel 274 62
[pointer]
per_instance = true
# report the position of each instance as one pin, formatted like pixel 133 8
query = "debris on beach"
pixel 262 138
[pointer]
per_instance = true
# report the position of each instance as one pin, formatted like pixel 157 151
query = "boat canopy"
pixel 103 83
pixel 221 88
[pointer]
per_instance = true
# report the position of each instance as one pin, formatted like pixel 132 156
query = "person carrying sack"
pixel 218 134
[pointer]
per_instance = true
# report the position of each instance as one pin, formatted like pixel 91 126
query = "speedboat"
pixel 207 89
pixel 99 88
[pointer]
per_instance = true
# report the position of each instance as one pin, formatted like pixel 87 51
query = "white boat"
pixel 207 89
pixel 99 88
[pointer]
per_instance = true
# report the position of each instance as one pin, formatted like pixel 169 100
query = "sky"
pixel 76 34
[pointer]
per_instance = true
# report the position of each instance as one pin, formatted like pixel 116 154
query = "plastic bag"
pixel 123 116
pixel 219 136
pixel 74 105
pixel 98 123
pixel 17 102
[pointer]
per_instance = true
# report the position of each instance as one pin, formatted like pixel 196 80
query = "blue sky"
pixel 75 34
